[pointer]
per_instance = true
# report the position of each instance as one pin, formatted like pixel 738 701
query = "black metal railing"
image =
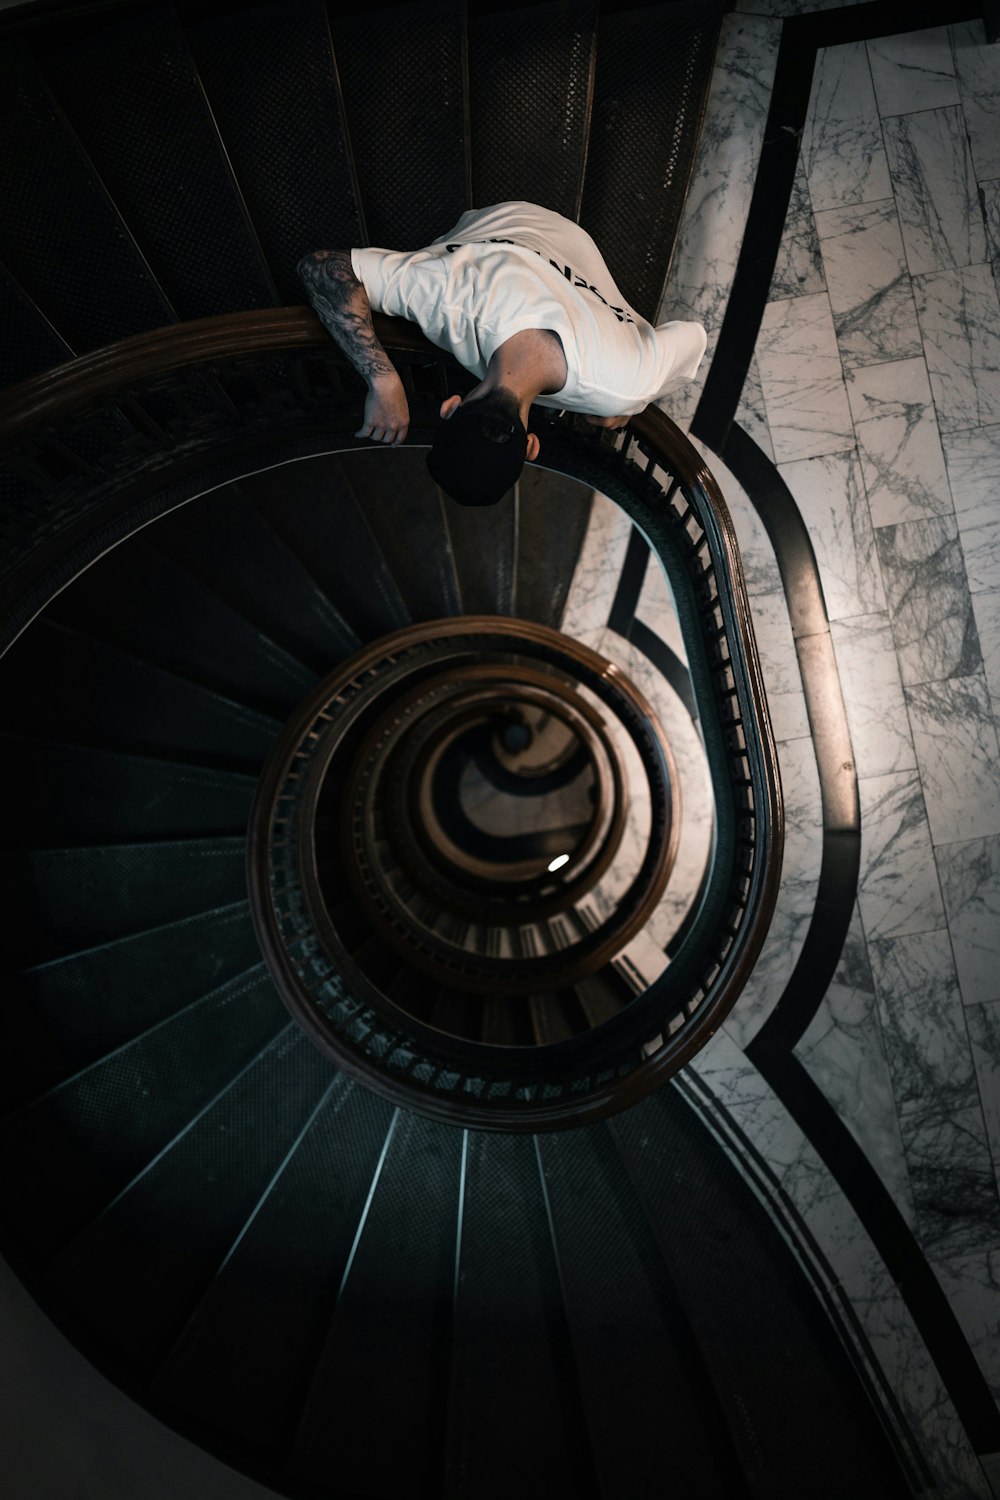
pixel 96 449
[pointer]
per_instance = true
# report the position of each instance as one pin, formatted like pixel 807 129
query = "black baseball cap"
pixel 478 454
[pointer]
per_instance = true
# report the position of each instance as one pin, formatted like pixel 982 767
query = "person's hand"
pixel 613 423
pixel 387 414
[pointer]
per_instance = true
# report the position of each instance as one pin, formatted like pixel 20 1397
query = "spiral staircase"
pixel 336 1122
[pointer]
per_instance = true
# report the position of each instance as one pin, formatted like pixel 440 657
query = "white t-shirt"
pixel 515 266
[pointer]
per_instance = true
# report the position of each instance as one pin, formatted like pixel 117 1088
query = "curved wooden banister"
pixel 105 370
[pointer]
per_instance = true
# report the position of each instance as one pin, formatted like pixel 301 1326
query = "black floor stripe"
pixel 713 423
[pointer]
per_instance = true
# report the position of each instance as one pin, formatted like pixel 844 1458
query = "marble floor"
pixel 874 388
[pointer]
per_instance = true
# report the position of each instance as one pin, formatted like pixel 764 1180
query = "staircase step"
pixel 634 1350
pixel 73 794
pixel 139 599
pixel 60 234
pixel 513 1366
pixel 796 1414
pixel 552 519
pixel 172 1225
pixel 30 344
pixel 246 1355
pixel 224 541
pixel 61 900
pixel 484 546
pixel 65 684
pixel 136 103
pixel 643 135
pixel 314 512
pixel 63 1015
pixel 403 506
pixel 531 78
pixel 401 69
pixel 386 1350
pixel 67 1155
pixel 283 129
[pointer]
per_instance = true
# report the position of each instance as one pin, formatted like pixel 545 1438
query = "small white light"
pixel 559 861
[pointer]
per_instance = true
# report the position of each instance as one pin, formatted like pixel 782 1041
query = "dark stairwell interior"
pixel 333 1294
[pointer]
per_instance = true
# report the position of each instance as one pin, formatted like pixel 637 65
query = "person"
pixel 522 298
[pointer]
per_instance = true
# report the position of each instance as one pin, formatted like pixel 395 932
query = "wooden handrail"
pixel 104 371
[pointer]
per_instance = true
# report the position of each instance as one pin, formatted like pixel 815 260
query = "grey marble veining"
pixel 873 695
pixel 973 460
pixel 798 269
pixel 780 666
pixel 986 608
pixel 977 65
pixel 842 140
pixel 972 1285
pixel 718 197
pixel 843 1052
pixel 932 176
pixel 984 1033
pixel 751 412
pixel 829 492
pixel 802 379
pixel 914 70
pixel 760 567
pixel 657 608
pixel 866 275
pixel 958 757
pixel 898 440
pixel 898 890
pixel 937 1095
pixel 959 315
pixel 970 884
pixel 989 197
pixel 929 601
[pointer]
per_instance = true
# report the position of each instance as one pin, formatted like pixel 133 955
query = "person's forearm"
pixel 341 303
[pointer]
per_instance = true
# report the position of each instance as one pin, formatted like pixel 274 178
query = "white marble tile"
pixel 970 884
pixel 972 1285
pixel 798 270
pixel 986 608
pixel 984 1034
pixel 843 1052
pixel 914 70
pixel 937 1096
pixel 973 460
pixel 929 602
pixel 866 276
pixel 657 608
pixel 842 140
pixel 898 440
pixel 780 666
pixel 873 695
pixel 830 495
pixel 959 314
pixel 977 65
pixel 898 890
pixel 760 567
pixel 800 372
pixel 932 177
pixel 722 180
pixel 598 569
pixel 751 412
pixel 958 757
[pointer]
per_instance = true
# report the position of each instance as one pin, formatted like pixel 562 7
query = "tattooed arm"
pixel 341 304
